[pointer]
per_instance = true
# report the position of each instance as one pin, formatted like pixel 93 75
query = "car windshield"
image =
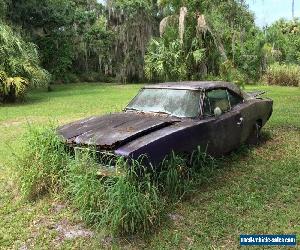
pixel 175 102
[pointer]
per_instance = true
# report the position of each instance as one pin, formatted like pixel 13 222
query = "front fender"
pixel 180 138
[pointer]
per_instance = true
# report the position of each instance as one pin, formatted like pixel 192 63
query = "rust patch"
pixel 110 131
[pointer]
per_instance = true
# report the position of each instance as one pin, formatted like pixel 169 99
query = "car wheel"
pixel 253 138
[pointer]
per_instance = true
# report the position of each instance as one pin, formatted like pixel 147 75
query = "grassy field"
pixel 256 190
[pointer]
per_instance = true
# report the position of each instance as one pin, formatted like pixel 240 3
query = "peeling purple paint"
pixel 132 134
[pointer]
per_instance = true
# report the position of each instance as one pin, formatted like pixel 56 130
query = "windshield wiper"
pixel 162 112
pixel 133 109
pixel 155 112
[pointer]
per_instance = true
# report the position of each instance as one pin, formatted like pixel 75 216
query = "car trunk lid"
pixel 255 93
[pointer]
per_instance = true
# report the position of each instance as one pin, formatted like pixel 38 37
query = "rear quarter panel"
pixel 253 110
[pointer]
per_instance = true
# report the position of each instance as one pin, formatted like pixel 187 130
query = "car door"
pixel 226 127
pixel 237 103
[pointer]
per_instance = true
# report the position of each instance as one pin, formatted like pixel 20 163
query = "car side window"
pixel 234 99
pixel 215 98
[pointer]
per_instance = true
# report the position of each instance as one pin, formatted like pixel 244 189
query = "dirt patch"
pixel 11 123
pixel 58 207
pixel 68 231
pixel 107 242
pixel 65 230
pixel 176 218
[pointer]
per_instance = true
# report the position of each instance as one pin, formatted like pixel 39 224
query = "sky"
pixel 268 11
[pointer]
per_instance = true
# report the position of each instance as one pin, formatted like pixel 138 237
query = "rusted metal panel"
pixel 179 137
pixel 112 130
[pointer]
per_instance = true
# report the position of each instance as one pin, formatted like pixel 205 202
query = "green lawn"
pixel 256 190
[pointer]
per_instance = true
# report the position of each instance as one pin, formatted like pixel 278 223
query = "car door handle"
pixel 240 122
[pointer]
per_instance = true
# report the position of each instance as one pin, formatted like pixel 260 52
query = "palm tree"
pixel 19 65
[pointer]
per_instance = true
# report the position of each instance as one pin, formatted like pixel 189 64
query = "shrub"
pixel 42 162
pixel 19 58
pixel 91 77
pixel 230 73
pixel 12 88
pixel 283 74
pixel 165 61
pixel 71 78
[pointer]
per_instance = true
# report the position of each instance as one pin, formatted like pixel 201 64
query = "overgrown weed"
pixel 283 74
pixel 129 198
pixel 122 203
pixel 181 175
pixel 41 165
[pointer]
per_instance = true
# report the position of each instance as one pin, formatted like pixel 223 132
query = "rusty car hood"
pixel 113 130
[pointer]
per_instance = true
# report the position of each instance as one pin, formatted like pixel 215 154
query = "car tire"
pixel 253 138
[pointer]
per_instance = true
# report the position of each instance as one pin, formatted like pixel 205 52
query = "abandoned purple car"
pixel 175 116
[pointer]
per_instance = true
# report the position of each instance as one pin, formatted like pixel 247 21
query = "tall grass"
pixel 181 175
pixel 283 74
pixel 84 188
pixel 173 179
pixel 129 201
pixel 132 206
pixel 42 161
pixel 122 203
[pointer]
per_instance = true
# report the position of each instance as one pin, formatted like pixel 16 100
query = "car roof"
pixel 196 85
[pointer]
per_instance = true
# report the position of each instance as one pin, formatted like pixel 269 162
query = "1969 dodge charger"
pixel 175 116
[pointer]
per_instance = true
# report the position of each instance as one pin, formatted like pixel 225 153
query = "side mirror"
pixel 217 112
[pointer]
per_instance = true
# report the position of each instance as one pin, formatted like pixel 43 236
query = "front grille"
pixel 109 163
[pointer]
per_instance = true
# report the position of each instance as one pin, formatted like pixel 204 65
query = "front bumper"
pixel 109 164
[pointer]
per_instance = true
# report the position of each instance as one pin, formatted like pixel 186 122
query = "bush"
pixel 19 60
pixel 71 78
pixel 67 78
pixel 230 73
pixel 91 77
pixel 12 88
pixel 283 74
pixel 96 77
pixel 85 77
